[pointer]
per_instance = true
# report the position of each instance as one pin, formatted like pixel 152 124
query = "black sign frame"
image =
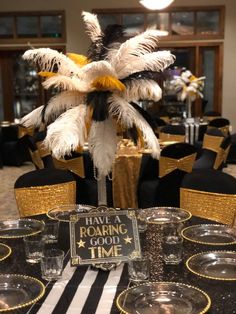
pixel 127 243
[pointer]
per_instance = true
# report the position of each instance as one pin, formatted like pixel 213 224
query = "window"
pixel 32 26
pixel 177 23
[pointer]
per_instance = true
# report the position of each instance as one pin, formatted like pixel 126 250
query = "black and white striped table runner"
pixel 81 290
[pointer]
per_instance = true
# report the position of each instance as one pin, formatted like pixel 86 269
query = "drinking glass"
pixel 141 220
pixel 51 231
pixel 52 264
pixel 33 248
pixel 172 249
pixel 139 269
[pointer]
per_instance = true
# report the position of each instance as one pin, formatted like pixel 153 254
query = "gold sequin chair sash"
pixel 167 165
pixel 75 165
pixel 171 137
pixel 37 200
pixel 215 206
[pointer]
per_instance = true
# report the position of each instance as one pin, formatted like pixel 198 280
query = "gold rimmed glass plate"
pixel 18 291
pixel 210 234
pixel 63 212
pixel 163 215
pixel 20 228
pixel 5 251
pixel 163 297
pixel 219 265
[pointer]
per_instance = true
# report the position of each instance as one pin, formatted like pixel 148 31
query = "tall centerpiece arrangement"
pixel 98 93
pixel 188 87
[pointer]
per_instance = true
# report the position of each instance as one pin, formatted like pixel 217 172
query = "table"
pixel 88 291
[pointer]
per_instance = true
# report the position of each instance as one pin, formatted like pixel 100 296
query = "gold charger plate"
pixel 5 251
pixel 163 297
pixel 218 265
pixel 210 234
pixel 20 228
pixel 18 291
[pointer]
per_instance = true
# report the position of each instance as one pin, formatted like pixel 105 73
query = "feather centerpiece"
pixel 100 91
pixel 187 85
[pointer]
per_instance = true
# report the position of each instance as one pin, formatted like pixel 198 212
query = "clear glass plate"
pixel 5 251
pixel 219 265
pixel 20 228
pixel 164 298
pixel 63 212
pixel 162 215
pixel 210 234
pixel 17 291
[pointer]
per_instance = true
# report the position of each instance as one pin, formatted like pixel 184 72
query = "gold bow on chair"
pixel 75 165
pixel 22 131
pixel 43 151
pixel 212 142
pixel 36 159
pixel 221 156
pixel 167 165
pixel 223 129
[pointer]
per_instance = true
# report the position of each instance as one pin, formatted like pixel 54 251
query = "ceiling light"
pixel 156 4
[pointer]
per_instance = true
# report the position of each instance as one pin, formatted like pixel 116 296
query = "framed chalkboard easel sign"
pixel 108 236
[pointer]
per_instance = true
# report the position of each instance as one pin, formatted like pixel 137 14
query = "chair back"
pixel 40 190
pixel 172 133
pixel 220 123
pixel 211 115
pixel 210 194
pixel 175 161
pixel 215 141
pixel 179 156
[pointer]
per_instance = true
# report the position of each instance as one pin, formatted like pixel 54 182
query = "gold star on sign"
pixel 128 240
pixel 81 243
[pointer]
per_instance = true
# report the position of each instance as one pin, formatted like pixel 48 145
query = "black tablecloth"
pixel 222 293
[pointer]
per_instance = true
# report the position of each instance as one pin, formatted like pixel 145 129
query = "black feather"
pixel 99 103
pixel 99 48
pixel 145 115
pixel 94 50
pixel 148 75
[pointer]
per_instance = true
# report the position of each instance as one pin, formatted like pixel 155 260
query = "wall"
pixel 77 40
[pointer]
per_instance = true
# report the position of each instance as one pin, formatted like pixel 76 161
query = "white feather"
pixel 129 117
pixel 81 82
pixel 141 90
pixel 48 59
pixel 62 102
pixel 68 83
pixel 102 145
pixel 67 132
pixel 92 25
pixel 95 69
pixel 136 46
pixel 33 119
pixel 154 61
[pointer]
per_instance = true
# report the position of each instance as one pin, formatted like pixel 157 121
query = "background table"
pixel 86 290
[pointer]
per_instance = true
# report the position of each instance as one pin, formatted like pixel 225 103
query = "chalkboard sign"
pixel 102 237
